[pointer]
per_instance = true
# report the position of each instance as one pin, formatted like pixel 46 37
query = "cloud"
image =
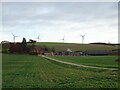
pixel 54 20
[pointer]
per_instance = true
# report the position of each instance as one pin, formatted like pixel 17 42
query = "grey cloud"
pixel 57 11
pixel 49 17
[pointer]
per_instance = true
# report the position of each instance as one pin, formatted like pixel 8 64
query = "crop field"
pixel 47 43
pixel 76 46
pixel 100 61
pixel 27 71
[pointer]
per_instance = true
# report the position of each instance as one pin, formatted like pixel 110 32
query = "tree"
pixel 24 45
pixel 53 50
pixel 24 41
pixel 32 41
pixel 5 46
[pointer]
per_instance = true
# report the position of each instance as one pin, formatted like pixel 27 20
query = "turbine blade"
pixel 12 34
pixel 16 36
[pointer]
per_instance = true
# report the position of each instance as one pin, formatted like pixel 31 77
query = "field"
pixel 77 47
pixel 58 46
pixel 27 71
pixel 101 61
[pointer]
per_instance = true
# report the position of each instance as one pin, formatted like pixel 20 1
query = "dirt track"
pixel 78 64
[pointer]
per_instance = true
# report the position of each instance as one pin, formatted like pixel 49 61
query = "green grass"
pixel 101 61
pixel 44 43
pixel 27 71
pixel 76 46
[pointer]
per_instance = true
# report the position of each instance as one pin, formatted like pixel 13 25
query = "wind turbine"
pixel 14 37
pixel 63 39
pixel 82 38
pixel 38 38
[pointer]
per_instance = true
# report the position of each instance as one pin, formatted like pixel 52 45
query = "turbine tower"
pixel 63 39
pixel 38 38
pixel 82 38
pixel 14 37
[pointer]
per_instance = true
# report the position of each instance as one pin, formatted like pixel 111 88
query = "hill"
pixel 76 47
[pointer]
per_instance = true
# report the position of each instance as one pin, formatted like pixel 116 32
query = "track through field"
pixel 78 64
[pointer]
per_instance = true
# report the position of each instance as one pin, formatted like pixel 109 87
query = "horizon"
pixel 62 42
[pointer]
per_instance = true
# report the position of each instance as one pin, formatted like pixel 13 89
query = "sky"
pixel 55 20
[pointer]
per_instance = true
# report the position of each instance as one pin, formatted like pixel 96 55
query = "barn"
pixel 36 50
pixel 96 52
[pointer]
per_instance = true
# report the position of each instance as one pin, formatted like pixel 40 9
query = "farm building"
pixel 5 45
pixel 48 53
pixel 40 50
pixel 64 53
pixel 36 50
pixel 69 52
pixel 96 52
pixel 80 53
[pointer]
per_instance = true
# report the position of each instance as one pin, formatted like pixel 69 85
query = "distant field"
pixel 25 71
pixel 101 61
pixel 73 46
pixel 54 43
pixel 76 46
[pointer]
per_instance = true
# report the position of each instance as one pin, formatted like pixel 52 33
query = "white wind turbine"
pixel 82 38
pixel 63 39
pixel 38 38
pixel 14 37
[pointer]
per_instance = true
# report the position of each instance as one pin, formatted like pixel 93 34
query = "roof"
pixel 69 50
pixel 79 51
pixel 96 52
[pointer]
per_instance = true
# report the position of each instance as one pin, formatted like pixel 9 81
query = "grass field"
pixel 101 61
pixel 46 43
pixel 76 47
pixel 25 71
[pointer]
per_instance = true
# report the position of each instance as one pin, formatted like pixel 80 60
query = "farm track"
pixel 78 64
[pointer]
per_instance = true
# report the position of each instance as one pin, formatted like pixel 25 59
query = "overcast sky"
pixel 52 21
